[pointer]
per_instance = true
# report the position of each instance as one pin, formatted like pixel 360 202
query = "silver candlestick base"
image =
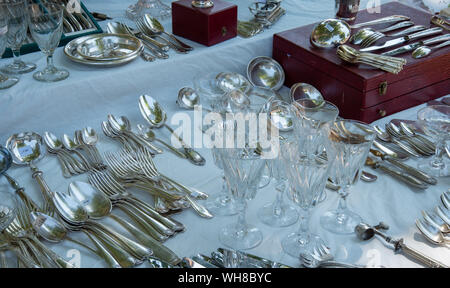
pixel 202 3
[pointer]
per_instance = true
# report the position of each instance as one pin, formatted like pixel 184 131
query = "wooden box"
pixel 207 26
pixel 362 92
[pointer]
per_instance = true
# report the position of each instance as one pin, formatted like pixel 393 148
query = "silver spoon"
pixel 384 136
pixel 359 36
pixel 148 134
pixel 156 117
pixel 154 26
pixel 435 219
pixel 424 51
pixel 48 227
pixel 431 233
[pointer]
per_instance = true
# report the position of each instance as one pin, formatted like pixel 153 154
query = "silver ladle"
pixel 157 117
pixel 366 232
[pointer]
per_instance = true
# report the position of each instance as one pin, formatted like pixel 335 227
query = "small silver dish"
pixel 71 51
pixel 265 72
pixel 306 91
pixel 108 47
pixel 330 33
pixel 229 81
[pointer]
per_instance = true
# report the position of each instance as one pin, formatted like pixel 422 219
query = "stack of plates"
pixel 104 49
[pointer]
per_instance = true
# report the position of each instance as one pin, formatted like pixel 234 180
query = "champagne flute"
pixel 17 33
pixel 45 23
pixel 5 81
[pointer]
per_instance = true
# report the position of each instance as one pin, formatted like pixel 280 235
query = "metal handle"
pixel 173 149
pixel 408 31
pixel 159 54
pixel 443 44
pixel 437 40
pixel 400 246
pixel 389 19
pixel 397 26
pixel 162 47
pixel 424 33
pixel 202 211
pixel 179 42
pixel 413 171
pixel 404 177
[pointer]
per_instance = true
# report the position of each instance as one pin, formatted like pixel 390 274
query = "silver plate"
pixel 265 72
pixel 71 50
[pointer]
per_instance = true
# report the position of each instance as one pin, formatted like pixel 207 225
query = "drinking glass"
pixel 435 122
pixel 347 9
pixel 242 167
pixel 310 116
pixel 45 23
pixel 206 87
pixel 279 213
pixel 307 171
pixel 17 33
pixel 348 145
pixel 5 81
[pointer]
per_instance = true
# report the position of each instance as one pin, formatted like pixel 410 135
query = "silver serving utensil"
pixel 424 51
pixel 365 232
pixel 149 135
pixel 48 227
pixel 431 233
pixel 435 219
pixel 390 43
pixel 156 117
pixel 377 35
pixel 322 257
pixel 384 136
pixel 412 46
pixel 155 27
pixel 364 33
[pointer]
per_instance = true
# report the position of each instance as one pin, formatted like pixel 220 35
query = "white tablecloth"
pixel 89 94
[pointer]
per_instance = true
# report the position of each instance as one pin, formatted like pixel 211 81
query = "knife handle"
pixel 429 262
pixel 424 33
pixel 437 39
pixel 446 43
pixel 413 181
pixel 413 171
pixel 389 19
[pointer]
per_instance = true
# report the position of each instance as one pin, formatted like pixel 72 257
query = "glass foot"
pixel 51 75
pixel 436 170
pixel 288 215
pixel 264 181
pixel 295 244
pixel 232 237
pixel 7 81
pixel 340 223
pixel 222 205
pixel 18 67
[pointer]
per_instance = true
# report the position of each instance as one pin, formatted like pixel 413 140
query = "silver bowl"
pixel 330 33
pixel 305 90
pixel 229 81
pixel 265 72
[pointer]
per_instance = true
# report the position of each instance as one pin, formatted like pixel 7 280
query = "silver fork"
pixel 379 34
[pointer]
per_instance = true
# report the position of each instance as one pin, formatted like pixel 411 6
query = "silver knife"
pixel 413 46
pixel 421 34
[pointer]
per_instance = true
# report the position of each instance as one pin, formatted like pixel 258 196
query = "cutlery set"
pixel 265 15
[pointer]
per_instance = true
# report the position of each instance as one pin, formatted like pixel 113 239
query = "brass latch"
pixel 382 88
pixel 224 31
pixel 382 112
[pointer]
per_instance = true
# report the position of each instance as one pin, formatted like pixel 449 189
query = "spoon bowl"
pixel 96 204
pixel 152 111
pixel 48 227
pixel 25 148
pixel 89 136
pixel 330 33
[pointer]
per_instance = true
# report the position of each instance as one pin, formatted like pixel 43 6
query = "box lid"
pixel 219 6
pixel 434 68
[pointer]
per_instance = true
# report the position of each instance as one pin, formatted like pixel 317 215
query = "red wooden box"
pixel 361 92
pixel 207 26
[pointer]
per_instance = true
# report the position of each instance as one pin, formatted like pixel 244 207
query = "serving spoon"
pixel 157 117
pixel 424 51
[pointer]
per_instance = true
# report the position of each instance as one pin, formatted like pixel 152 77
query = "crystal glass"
pixel 307 171
pixel 45 23
pixel 435 122
pixel 7 209
pixel 347 9
pixel 279 213
pixel 242 167
pixel 155 8
pixel 16 11
pixel 311 115
pixel 5 81
pixel 211 96
pixel 349 143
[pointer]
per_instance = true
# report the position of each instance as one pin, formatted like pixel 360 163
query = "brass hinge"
pixel 382 88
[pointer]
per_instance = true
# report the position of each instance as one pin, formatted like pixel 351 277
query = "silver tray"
pixel 133 45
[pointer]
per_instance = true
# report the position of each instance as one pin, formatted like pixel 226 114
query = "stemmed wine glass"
pixel 45 23
pixel 348 145
pixel 435 122
pixel 243 167
pixel 279 213
pixel 17 33
pixel 307 170
pixel 5 81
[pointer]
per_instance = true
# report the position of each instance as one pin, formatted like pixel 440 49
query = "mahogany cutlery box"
pixel 207 26
pixel 362 92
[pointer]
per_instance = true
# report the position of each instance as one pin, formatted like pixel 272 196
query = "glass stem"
pixel 304 226
pixel 280 186
pixel 3 78
pixel 438 156
pixel 226 193
pixel 343 192
pixel 241 225
pixel 16 55
pixel 50 65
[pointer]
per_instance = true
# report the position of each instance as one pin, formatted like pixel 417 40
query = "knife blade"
pixel 424 33
pixel 415 45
